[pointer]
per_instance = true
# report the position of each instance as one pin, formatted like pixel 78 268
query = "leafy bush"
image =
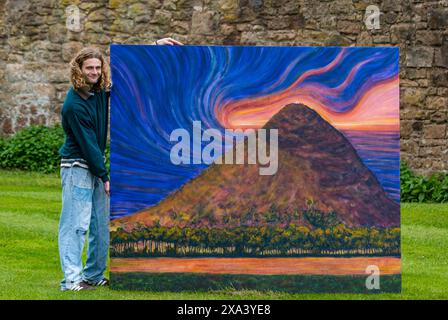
pixel 34 148
pixel 422 189
pixel 440 193
pixel 2 144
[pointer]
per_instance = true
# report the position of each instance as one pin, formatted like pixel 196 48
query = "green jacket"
pixel 85 119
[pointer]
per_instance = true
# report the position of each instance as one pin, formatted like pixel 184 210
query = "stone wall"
pixel 35 46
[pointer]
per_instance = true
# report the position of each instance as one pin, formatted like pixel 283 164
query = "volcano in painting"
pixel 264 168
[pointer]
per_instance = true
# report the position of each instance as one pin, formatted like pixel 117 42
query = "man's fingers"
pixel 168 41
pixel 175 42
pixel 107 187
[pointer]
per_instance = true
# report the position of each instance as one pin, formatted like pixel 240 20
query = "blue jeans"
pixel 85 207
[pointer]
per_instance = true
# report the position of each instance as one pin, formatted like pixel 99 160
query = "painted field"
pixel 261 266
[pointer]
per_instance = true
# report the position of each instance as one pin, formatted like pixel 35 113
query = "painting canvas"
pixel 265 168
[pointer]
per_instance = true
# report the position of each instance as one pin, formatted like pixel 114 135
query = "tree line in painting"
pixel 274 236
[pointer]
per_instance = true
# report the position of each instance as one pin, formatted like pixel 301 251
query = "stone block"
pixel 419 56
pixel 69 50
pixel 423 83
pixel 390 17
pixel 44 90
pixel 417 126
pixel 441 54
pixel 442 92
pixel 57 33
pixel 97 16
pixel 90 26
pixel 204 22
pixel 435 131
pixel 116 4
pixel 428 37
pixel 289 7
pixel 412 95
pixel 364 39
pixel 74 36
pixel 391 5
pixel 382 39
pixel 122 26
pixel 416 73
pixel 330 23
pixel 413 113
pixel 408 146
pixel 437 103
pixel 58 74
pixel 402 32
pixel 405 129
pixel 229 10
pixel 434 142
pixel 281 36
pixel 227 29
pixel 430 152
pixel 17 72
pixel 7 128
pixel 184 15
pixel 348 27
pixel 137 9
pixel 438 18
pixel 38 120
pixel 181 27
pixel 156 4
pixel 162 17
pixel 98 39
pixel 169 5
pixel 34 20
pixel 142 19
pixel 336 39
pixel 278 23
pixel 253 38
pixel 21 122
pixel 440 59
pixel 439 117
pixel 87 6
pixel 439 77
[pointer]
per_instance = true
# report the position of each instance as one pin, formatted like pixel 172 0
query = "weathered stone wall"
pixel 35 46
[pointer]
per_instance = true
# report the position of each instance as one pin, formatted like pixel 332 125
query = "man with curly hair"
pixel 85 180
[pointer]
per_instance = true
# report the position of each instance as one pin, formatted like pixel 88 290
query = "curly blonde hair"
pixel 77 78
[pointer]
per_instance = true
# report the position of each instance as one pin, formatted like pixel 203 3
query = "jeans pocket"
pixel 82 184
pixel 82 178
pixel 82 194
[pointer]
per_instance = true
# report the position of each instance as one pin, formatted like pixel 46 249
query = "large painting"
pixel 266 168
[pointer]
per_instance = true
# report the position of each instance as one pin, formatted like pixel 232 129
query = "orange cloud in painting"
pixel 375 110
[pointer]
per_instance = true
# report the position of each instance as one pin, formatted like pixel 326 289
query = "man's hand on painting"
pixel 167 41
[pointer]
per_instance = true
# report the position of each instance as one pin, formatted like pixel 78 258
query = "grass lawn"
pixel 29 262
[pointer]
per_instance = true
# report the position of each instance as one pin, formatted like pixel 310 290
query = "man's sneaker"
pixel 80 287
pixel 100 283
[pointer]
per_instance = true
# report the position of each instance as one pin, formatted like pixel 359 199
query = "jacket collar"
pixel 84 93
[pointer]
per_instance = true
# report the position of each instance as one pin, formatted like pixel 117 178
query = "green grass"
pixel 29 262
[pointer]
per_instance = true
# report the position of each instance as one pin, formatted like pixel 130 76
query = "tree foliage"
pixel 325 237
